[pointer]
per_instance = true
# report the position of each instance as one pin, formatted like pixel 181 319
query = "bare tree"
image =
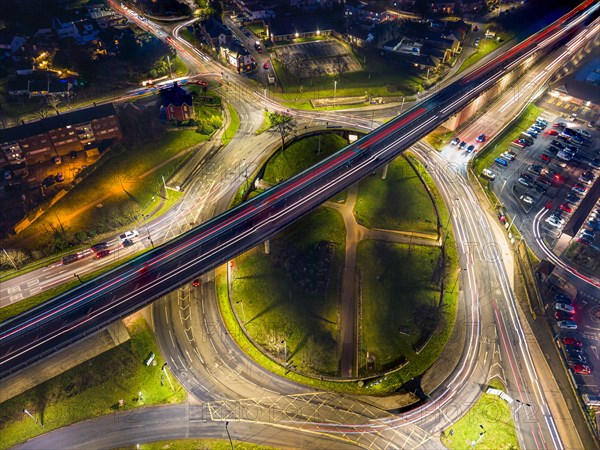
pixel 282 124
pixel 42 112
pixel 340 65
pixel 53 101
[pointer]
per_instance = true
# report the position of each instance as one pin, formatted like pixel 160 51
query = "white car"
pixel 487 173
pixel 553 222
pixel 564 156
pixel 507 156
pixel 526 199
pixel 129 235
pixel 584 133
pixel 564 308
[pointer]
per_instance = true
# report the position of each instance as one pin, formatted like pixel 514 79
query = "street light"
pixel 228 435
pixel 147 229
pixel 521 404
pixel 474 443
pixel 334 90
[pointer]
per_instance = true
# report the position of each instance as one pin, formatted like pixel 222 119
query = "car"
pixel 73 154
pixel 578 140
pixel 501 162
pixel 99 246
pixel 581 369
pixel 561 298
pixel 526 176
pixel 564 308
pixel 564 156
pixel 566 208
pixel 481 138
pixel 558 218
pixel 584 133
pixel 519 143
pixel 587 234
pixel 455 141
pixel 572 198
pixel 524 182
pixel 545 157
pixel 576 358
pixel 129 234
pixel 535 168
pixel 266 66
pixel 536 128
pixel 570 340
pixel 595 163
pixel 568 132
pixel 541 123
pixel 584 241
pixel 127 243
pixel 508 156
pixel 56 160
pixel 197 282
pixel 557 176
pixel 588 175
pixel 59 177
pixel 563 138
pixel 488 174
pixel 553 222
pixel 532 133
pixel 557 144
pixel 470 148
pixel 544 121
pixel 49 181
pixel 102 254
pixel 541 189
pixel 544 180
pixel 552 149
pixel 567 325
pixel 463 144
pixel 552 133
pixel 559 125
pixel 526 199
pixel 561 315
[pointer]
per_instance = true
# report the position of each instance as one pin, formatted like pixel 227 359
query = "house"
pixel 39 84
pixel 37 141
pixel 443 6
pixel 238 56
pixel 10 43
pixel 284 28
pixel 255 10
pixel 176 103
pixel 214 32
pixel 359 36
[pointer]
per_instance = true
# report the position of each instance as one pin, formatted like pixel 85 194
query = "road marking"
pixel 14 298
pixel 33 282
pixel 595 350
pixel 14 290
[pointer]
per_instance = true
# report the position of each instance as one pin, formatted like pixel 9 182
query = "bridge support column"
pixel 267 246
pixel 384 174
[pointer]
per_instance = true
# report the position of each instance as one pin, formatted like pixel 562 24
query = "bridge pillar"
pixel 267 246
pixel 384 173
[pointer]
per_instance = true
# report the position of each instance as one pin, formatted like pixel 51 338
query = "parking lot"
pixel 325 56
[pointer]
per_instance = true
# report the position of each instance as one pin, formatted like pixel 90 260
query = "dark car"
pixel 561 298
pixel 572 198
pixel 59 178
pixel 542 179
pixel 70 259
pixel 102 253
pixel 463 144
pixel 49 181
pixel 481 138
pixel 470 148
pixel 99 246
pixel 526 176
pixel 539 188
pixel 577 358
pixel 560 315
pixel 73 154
pixel 557 144
pixel 127 243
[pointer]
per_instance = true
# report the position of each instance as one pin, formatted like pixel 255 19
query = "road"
pixel 474 287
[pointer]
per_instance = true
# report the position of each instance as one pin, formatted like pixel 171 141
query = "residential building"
pixel 284 28
pixel 176 103
pixel 10 43
pixel 255 9
pixel 238 56
pixel 214 32
pixel 38 141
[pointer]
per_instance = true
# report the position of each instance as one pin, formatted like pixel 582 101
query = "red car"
pixel 552 133
pixel 568 340
pixel 583 241
pixel 102 254
pixel 566 208
pixel 581 368
pixel 266 66
pixel 196 282
pixel 546 158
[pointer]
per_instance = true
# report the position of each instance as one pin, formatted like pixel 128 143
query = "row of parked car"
pixel 565 314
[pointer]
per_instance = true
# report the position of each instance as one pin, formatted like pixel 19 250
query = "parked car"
pixel 73 154
pixel 544 180
pixel 564 308
pixel 507 156
pixel 567 324
pixel 266 66
pixel 455 141
pixel 535 168
pixel 575 358
pixel 572 198
pixel 553 222
pixel 470 148
pixel 578 187
pixel 59 177
pixel 129 234
pixel 49 181
pixel 569 340
pixel 566 208
pixel 552 133
pixel 524 182
pixel 56 160
pixel 561 298
pixel 481 138
pixel 584 133
pixel 501 162
pixel 488 174
pixel 560 315
pixel 580 369
pixel 546 158
pixel 526 199
pixel 462 145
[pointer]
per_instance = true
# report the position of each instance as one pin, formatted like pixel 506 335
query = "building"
pixel 581 87
pixel 254 9
pixel 285 28
pixel 214 32
pixel 176 103
pixel 10 43
pixel 238 56
pixel 58 135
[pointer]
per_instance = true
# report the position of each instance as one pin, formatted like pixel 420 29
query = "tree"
pixel 43 112
pixel 53 101
pixel 282 124
pixel 340 64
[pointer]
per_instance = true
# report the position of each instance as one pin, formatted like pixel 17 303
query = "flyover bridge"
pixel 93 305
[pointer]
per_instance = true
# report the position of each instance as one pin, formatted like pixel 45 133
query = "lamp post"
pixel 148 230
pixel 521 404
pixel 474 443
pixel 228 435
pixel 334 90
pixel 284 342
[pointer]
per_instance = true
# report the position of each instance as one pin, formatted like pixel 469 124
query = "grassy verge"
pixel 398 295
pixel 195 444
pixel 92 389
pixel 397 203
pixel 132 178
pixel 265 125
pixel 30 302
pixel 501 143
pixel 440 137
pixel 301 155
pixel 486 46
pixel 292 294
pixel 233 127
pixel 489 415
